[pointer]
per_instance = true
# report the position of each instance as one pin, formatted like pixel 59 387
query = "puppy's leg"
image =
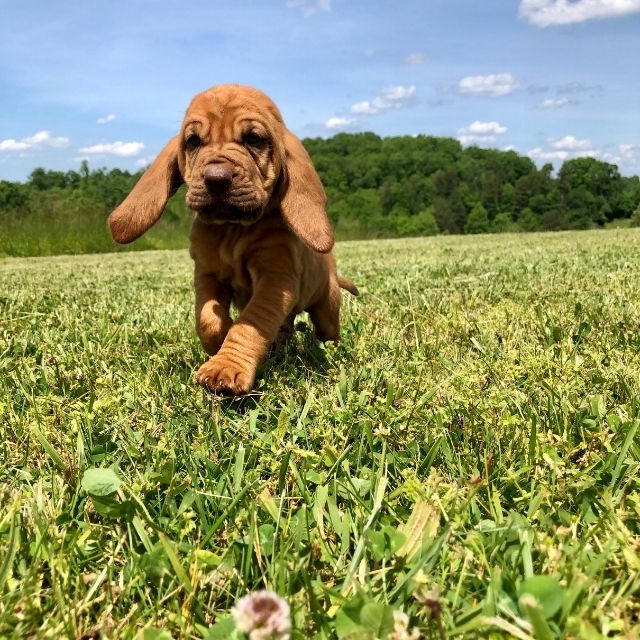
pixel 325 314
pixel 233 369
pixel 212 311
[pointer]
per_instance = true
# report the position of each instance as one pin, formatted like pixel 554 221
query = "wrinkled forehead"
pixel 230 105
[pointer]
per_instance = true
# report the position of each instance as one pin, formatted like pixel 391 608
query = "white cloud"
pixel 397 93
pixel 610 157
pixel 574 148
pixel 340 122
pixel 37 138
pixel 545 13
pixel 13 145
pixel 108 118
pixel 554 103
pixel 629 157
pixel 36 141
pixel 44 138
pixel 628 151
pixel 369 53
pixel 364 107
pixel 393 97
pixel 486 127
pixel 415 58
pixel 310 8
pixel 480 132
pixel 541 154
pixel 494 85
pixel 122 149
pixel 587 153
pixel 570 143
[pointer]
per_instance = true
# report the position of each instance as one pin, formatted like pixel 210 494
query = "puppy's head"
pixel 239 162
pixel 231 154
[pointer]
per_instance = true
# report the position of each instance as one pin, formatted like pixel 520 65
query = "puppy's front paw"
pixel 222 376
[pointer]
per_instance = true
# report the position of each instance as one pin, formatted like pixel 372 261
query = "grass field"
pixel 469 454
pixel 57 228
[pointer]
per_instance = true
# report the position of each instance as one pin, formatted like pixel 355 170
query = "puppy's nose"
pixel 217 177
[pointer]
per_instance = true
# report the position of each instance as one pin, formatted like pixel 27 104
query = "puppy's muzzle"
pixel 217 178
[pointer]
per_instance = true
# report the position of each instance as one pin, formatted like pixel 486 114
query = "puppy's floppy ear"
pixel 144 205
pixel 304 204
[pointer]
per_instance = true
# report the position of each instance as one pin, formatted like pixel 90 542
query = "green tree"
pixel 527 220
pixel 12 196
pixel 502 223
pixel 450 214
pixel 84 169
pixel 583 208
pixel 478 220
pixel 508 197
pixel 587 184
pixel 422 224
pixel 44 180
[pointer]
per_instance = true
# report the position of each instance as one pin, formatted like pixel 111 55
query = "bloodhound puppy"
pixel 261 237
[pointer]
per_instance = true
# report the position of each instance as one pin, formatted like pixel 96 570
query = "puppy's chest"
pixel 226 259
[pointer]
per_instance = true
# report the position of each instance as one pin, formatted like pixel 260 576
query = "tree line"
pixel 424 185
pixel 376 187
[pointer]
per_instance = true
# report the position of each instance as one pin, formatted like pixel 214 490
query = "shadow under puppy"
pixel 261 237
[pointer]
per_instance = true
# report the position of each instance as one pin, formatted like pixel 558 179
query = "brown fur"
pixel 261 240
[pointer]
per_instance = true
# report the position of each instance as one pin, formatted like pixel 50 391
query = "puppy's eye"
pixel 193 142
pixel 253 139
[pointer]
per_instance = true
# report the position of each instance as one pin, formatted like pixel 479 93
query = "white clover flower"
pixel 263 615
pixel 401 628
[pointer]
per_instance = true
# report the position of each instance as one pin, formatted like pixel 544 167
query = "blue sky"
pixel 110 80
